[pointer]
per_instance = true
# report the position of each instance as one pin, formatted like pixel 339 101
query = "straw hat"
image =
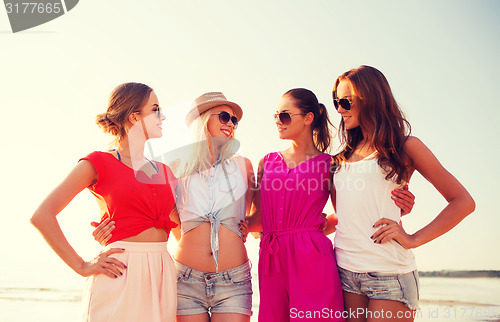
pixel 208 101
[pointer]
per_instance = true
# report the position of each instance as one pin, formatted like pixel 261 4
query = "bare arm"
pixel 251 185
pixel 331 220
pixel 174 216
pixel 249 194
pixel 460 202
pixel 44 219
pixel 254 218
pixel 331 223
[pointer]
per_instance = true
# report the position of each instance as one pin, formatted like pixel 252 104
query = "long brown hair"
pixel 380 113
pixel 307 102
pixel 125 99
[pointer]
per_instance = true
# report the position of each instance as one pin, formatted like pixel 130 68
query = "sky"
pixel 440 57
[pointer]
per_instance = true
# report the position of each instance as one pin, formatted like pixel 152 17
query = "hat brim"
pixel 202 108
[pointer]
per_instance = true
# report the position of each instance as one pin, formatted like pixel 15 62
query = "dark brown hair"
pixel 125 99
pixel 307 102
pixel 380 113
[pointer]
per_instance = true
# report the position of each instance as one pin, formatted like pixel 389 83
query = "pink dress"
pixel 298 277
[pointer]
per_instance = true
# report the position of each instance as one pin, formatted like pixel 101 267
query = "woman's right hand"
pixel 103 264
pixel 102 233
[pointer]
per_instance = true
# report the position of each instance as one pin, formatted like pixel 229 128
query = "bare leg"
pixel 383 310
pixel 230 317
pixel 356 303
pixel 204 317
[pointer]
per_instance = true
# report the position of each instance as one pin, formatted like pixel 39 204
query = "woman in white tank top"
pixel 376 265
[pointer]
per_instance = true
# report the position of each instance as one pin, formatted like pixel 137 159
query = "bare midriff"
pixel 150 235
pixel 194 249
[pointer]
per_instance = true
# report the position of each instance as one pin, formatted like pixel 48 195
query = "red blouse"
pixel 130 198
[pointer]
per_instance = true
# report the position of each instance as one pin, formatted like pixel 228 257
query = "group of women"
pixel 213 199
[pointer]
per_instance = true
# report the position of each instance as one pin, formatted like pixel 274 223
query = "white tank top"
pixel 363 196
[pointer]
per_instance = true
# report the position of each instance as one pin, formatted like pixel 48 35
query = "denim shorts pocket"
pixel 240 278
pixel 417 281
pixel 182 275
pixel 411 283
pixel 382 276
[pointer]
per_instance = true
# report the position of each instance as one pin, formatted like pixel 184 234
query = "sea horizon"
pixel 441 299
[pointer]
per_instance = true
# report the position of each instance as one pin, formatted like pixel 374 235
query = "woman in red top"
pixel 138 282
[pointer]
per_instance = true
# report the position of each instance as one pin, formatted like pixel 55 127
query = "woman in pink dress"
pixel 298 277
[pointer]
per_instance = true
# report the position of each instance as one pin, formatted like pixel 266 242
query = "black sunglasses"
pixel 345 103
pixel 224 117
pixel 157 112
pixel 285 117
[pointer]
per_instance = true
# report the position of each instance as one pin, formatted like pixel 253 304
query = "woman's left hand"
pixel 392 230
pixel 243 227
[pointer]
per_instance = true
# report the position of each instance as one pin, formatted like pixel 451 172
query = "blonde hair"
pixel 200 158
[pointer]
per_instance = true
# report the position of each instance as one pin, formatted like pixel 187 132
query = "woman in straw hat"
pixel 137 195
pixel 214 193
pixel 298 277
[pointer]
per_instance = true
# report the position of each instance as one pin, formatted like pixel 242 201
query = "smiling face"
pixel 298 121
pixel 215 127
pixel 349 117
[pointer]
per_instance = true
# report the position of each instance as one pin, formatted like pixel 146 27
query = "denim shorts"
pixel 229 291
pixel 383 286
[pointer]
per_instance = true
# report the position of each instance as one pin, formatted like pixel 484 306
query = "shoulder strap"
pixel 153 164
pixel 117 154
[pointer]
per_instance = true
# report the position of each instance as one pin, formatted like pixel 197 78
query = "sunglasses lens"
pixel 224 117
pixel 285 118
pixel 234 120
pixel 344 102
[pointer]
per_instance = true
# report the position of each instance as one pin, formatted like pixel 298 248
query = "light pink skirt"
pixel 147 290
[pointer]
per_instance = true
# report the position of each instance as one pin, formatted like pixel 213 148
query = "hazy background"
pixel 440 57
